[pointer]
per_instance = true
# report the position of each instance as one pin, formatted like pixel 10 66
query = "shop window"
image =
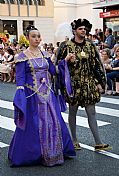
pixel 41 2
pixel 26 24
pixel 21 1
pixel 13 1
pixel 2 2
pixel 35 2
pixel 31 2
pixel 24 2
pixel 10 26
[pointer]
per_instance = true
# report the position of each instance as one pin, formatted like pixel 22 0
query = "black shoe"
pixel 116 94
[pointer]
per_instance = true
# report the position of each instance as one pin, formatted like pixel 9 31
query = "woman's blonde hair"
pixel 108 51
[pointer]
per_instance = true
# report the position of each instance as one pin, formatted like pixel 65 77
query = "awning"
pixel 104 5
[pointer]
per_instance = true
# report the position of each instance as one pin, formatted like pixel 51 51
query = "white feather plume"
pixel 63 30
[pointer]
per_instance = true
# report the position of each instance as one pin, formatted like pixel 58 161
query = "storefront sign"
pixel 109 14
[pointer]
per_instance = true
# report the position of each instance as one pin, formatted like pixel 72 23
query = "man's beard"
pixel 82 37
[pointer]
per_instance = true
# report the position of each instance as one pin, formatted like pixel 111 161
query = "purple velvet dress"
pixel 41 135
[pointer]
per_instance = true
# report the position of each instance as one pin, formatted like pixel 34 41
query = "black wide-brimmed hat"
pixel 81 22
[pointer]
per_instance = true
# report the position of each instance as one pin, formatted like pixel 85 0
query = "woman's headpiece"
pixel 30 28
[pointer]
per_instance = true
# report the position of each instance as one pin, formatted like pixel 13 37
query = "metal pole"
pixel 27 8
pixel 36 8
pixel 9 7
pixel 18 7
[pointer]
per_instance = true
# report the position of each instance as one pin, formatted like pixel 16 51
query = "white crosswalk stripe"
pixel 82 121
pixel 110 100
pixel 6 105
pixel 101 110
pixel 113 155
pixel 3 145
pixel 7 123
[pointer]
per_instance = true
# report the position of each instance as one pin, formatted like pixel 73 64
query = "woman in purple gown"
pixel 41 135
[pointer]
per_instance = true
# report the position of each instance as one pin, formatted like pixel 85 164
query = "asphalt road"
pixel 87 162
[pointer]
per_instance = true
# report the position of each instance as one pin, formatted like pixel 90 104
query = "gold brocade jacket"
pixel 85 73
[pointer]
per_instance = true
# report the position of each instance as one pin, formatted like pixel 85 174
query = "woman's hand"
pixel 70 57
pixel 109 67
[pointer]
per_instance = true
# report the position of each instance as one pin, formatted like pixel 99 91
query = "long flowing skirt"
pixel 45 140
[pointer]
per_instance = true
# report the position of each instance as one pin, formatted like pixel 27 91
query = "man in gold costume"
pixel 87 77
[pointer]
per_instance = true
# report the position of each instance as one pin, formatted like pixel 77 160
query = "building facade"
pixel 110 14
pixel 16 15
pixel 68 10
pixel 100 13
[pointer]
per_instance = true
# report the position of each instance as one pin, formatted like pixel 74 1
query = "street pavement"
pixel 87 162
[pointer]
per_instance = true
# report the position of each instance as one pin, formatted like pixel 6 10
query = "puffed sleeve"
pixel 52 69
pixel 98 69
pixel 20 98
pixel 65 79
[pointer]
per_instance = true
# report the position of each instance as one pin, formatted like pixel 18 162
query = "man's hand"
pixel 70 57
pixel 99 88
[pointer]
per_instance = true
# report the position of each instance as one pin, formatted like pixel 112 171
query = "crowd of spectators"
pixel 105 43
pixel 109 52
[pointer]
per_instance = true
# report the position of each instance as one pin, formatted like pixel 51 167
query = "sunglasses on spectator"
pixel 117 51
